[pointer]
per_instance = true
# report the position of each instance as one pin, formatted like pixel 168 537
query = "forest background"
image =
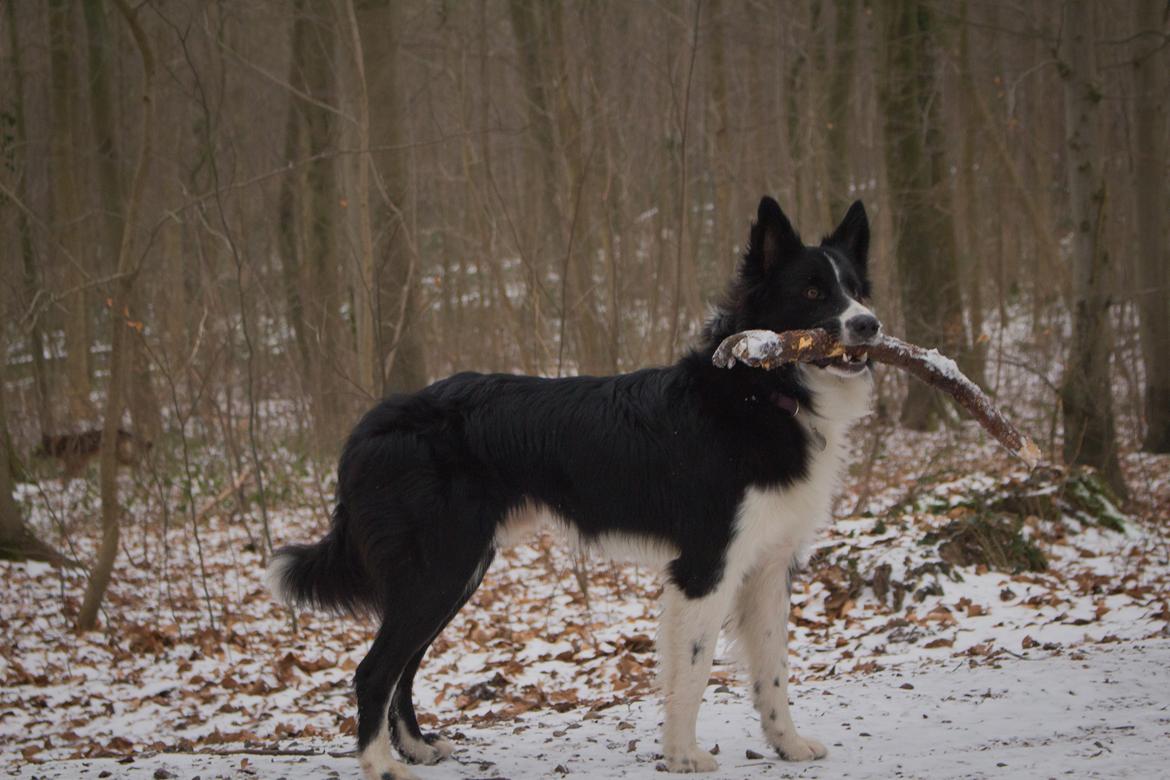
pixel 227 228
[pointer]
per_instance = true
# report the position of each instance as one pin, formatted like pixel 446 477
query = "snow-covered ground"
pixel 1014 672
pixel 924 645
pixel 1100 712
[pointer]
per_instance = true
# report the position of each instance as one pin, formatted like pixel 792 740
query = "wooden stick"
pixel 223 495
pixel 765 349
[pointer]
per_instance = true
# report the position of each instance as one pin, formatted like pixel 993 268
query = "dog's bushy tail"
pixel 327 575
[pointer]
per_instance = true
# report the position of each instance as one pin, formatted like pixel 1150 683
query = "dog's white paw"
pixel 442 746
pixel 386 770
pixel 431 749
pixel 798 748
pixel 694 759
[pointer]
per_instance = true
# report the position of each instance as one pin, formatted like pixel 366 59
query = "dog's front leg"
pixel 761 623
pixel 686 646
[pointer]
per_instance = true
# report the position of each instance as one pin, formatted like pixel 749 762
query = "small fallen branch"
pixel 242 479
pixel 765 349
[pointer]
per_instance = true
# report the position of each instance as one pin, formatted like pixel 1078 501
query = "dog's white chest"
pixel 786 518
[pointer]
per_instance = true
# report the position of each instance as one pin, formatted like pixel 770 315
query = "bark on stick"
pixel 765 349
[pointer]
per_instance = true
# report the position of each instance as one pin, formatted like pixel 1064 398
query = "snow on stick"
pixel 766 349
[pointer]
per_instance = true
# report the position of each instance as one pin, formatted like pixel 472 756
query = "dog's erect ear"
pixel 852 235
pixel 773 238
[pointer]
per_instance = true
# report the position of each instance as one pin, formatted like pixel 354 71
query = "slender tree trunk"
pixel 815 107
pixel 402 353
pixel 838 120
pixel 1086 393
pixel 719 153
pixel 33 281
pixel 102 128
pixel 143 403
pixel 391 357
pixel 548 221
pixel 123 292
pixel 969 257
pixel 576 248
pixel 291 193
pixel 364 278
pixel 17 541
pixel 321 214
pixel 931 302
pixel 604 106
pixel 1150 188
pixel 308 216
pixel 685 298
pixel 67 204
pixel 798 94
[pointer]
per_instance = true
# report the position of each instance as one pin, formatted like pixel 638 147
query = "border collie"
pixel 719 476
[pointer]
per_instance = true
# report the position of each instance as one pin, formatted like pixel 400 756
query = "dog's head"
pixel 784 285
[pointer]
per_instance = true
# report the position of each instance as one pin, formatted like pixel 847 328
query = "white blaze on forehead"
pixel 833 262
pixel 854 308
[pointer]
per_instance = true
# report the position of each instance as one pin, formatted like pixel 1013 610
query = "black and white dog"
pixel 719 476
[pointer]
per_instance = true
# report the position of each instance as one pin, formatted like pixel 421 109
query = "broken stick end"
pixel 1030 453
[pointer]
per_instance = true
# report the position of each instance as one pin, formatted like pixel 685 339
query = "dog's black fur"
pixel 662 455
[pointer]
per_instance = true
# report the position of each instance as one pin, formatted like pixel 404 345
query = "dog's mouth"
pixel 844 365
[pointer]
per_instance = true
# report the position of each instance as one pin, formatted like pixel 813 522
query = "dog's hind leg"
pixel 687 639
pixel 413 745
pixel 405 733
pixel 761 624
pixel 420 602
pixel 373 683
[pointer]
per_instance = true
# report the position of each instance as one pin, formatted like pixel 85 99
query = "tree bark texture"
pixel 1086 392
pixel 142 400
pixel 401 357
pixel 63 43
pixel 123 292
pixel 31 271
pixel 308 215
pixel 17 541
pixel 919 193
pixel 1152 201
pixel 838 125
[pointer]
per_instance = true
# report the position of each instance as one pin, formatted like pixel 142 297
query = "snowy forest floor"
pixel 1098 712
pixel 1030 615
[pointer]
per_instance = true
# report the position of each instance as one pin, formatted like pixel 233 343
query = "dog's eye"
pixel 813 293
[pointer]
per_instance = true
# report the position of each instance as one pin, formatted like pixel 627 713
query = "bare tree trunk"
pixel 143 403
pixel 969 257
pixel 1150 187
pixel 685 299
pixel 17 541
pixel 719 152
pixel 391 357
pixel 364 284
pixel 1086 392
pixel 931 303
pixel 291 193
pixel 839 124
pixel 815 108
pixel 576 248
pixel 320 216
pixel 523 20
pixel 402 354
pixel 102 127
pixel 33 281
pixel 67 205
pixel 604 105
pixel 794 149
pixel 307 216
pixel 123 291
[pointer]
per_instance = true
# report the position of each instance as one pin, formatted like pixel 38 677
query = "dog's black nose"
pixel 863 327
